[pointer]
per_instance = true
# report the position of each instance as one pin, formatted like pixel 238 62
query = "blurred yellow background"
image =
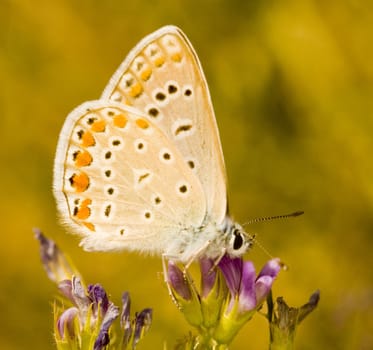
pixel 291 83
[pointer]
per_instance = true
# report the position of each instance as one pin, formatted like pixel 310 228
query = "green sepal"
pixel 191 309
pixel 212 303
pixel 231 322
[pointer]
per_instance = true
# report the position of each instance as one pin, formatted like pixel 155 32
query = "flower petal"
pixel 80 298
pixel 99 297
pixel 265 279
pixel 54 261
pixel 262 287
pixel 247 297
pixel 178 282
pixel 103 339
pixel 208 276
pixel 65 287
pixel 142 325
pixel 271 268
pixel 125 320
pixel 65 323
pixel 232 271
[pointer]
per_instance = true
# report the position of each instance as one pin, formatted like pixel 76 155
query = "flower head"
pixel 247 290
pixel 247 293
pixel 227 298
pixel 90 317
pixel 89 322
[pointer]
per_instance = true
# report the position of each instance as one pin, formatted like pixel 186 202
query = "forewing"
pixel 121 183
pixel 162 77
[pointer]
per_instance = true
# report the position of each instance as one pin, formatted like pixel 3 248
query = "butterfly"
pixel 142 168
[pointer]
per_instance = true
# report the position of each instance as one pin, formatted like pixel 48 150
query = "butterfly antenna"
pixel 275 217
pixel 257 243
pixel 269 218
pixel 265 251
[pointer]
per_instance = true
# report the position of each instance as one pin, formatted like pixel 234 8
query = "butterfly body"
pixel 142 168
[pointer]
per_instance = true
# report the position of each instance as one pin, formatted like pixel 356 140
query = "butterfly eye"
pixel 238 240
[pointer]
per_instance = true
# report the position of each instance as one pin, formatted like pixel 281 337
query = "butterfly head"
pixel 238 241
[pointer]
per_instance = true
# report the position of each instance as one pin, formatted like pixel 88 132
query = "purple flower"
pixel 133 330
pixel 178 281
pixel 247 290
pixel 110 315
pixel 93 311
pixel 91 306
pixel 213 292
pixel 246 294
pixel 78 295
pixel 125 319
pixel 67 322
pixel 88 321
pixel 227 298
pixel 99 298
pixel 142 324
pixel 208 276
pixel 184 294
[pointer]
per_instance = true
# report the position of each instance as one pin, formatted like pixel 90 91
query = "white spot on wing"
pixel 182 188
pixel 160 97
pixel 140 145
pixel 166 156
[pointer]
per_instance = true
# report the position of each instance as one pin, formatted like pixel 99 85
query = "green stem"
pixel 205 341
pixel 281 339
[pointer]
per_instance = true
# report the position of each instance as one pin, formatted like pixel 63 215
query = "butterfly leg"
pixel 165 278
pixel 196 255
pixel 217 260
pixel 188 280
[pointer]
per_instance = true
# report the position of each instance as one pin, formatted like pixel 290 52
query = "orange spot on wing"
pixel 86 202
pixel 120 121
pixel 80 182
pixel 145 74
pixel 159 61
pixel 83 159
pixel 142 123
pixel 98 126
pixel 88 139
pixel 83 212
pixel 90 226
pixel 136 90
pixel 176 57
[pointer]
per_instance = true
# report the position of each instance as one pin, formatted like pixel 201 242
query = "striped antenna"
pixel 269 218
pixel 275 217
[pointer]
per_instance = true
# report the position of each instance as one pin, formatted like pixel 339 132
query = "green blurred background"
pixel 291 83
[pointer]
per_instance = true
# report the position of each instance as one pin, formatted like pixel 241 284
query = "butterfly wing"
pixel 121 183
pixel 162 77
